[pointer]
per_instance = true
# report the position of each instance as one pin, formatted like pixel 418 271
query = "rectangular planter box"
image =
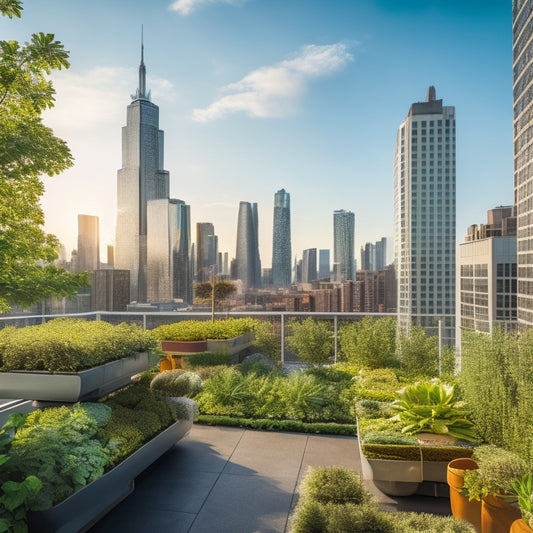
pixel 231 346
pixel 76 386
pixel 84 508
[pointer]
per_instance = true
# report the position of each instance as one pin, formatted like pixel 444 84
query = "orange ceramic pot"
pixel 463 508
pixel 497 513
pixel 519 526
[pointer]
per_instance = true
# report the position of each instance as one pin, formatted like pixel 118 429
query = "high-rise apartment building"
pixel 374 255
pixel 309 272
pixel 324 269
pixel 140 180
pixel 248 263
pixel 380 254
pixel 206 250
pixel 343 243
pixel 523 155
pixel 281 242
pixel 486 274
pixel 424 217
pixel 88 257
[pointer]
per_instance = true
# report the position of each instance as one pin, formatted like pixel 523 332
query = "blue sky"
pixel 259 95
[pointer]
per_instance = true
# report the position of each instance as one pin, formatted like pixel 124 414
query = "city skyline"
pixel 341 95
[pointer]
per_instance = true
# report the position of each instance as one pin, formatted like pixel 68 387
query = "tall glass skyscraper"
pixel 206 250
pixel 324 269
pixel 248 263
pixel 309 272
pixel 424 216
pixel 140 180
pixel 343 243
pixel 281 245
pixel 88 257
pixel 523 155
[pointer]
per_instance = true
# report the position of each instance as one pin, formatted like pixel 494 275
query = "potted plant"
pixel 491 483
pixel 523 489
pixel 462 507
pixel 68 360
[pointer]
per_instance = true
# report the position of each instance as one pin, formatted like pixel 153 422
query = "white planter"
pixel 88 505
pixel 72 387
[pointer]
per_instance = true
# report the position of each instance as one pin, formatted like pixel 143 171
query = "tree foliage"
pixel 29 149
pixel 419 353
pixel 223 289
pixel 369 343
pixel 311 340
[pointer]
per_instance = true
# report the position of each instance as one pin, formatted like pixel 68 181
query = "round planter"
pixel 519 526
pixel 461 507
pixel 184 347
pixel 497 513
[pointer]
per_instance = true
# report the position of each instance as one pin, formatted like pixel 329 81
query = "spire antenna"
pixel 141 93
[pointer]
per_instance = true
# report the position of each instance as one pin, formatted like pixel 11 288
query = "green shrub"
pixel 309 517
pixel 177 383
pixel 497 383
pixel 329 374
pixel 406 522
pixel 352 518
pixel 419 353
pixel 258 368
pixel 370 342
pixel 196 360
pixel 207 372
pixel 99 412
pixel 70 345
pixel 310 339
pixel 195 330
pixel 333 484
pixel 267 339
pixel 498 468
pixel 522 488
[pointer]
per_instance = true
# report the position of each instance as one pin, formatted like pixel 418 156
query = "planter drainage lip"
pixel 88 505
pixel 72 387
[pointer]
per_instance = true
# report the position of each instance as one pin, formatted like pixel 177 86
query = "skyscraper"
pixel 381 254
pixel 140 179
pixel 281 245
pixel 343 243
pixel 323 264
pixel 88 257
pixel 523 156
pixel 248 263
pixel 206 250
pixel 424 216
pixel 309 265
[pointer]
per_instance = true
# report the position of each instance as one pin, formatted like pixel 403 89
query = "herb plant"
pixel 523 489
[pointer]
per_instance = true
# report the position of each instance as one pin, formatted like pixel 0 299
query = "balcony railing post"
pixel 282 318
pixel 335 329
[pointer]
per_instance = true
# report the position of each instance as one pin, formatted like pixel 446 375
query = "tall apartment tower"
pixel 248 263
pixel 309 272
pixel 140 180
pixel 88 243
pixel 424 217
pixel 281 245
pixel 381 254
pixel 324 270
pixel 343 243
pixel 523 156
pixel 206 250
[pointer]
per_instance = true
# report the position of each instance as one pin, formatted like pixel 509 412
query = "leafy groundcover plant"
pixel 70 345
pixel 49 454
pixel 196 330
pixel 333 500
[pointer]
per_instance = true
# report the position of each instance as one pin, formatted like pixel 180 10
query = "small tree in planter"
pixel 222 289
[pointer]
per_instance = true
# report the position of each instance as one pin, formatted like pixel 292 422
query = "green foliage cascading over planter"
pixel 370 342
pixel 197 330
pixel 497 383
pixel 70 345
pixel 312 340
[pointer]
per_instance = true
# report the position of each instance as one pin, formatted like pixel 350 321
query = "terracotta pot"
pixel 519 526
pixel 461 507
pixel 497 513
pixel 181 347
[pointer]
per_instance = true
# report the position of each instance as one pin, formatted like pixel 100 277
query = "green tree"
pixel 223 288
pixel 419 354
pixel 369 343
pixel 29 149
pixel 311 340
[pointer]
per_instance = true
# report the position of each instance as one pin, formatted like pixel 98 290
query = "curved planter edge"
pixel 76 386
pixel 88 505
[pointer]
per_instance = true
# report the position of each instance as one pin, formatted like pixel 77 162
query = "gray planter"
pixel 83 509
pixel 231 346
pixel 73 387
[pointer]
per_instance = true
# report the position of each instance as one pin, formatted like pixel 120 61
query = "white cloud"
pixel 185 7
pixel 274 91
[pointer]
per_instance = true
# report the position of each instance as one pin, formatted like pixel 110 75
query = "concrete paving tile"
pixel 276 455
pixel 331 450
pixel 245 504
